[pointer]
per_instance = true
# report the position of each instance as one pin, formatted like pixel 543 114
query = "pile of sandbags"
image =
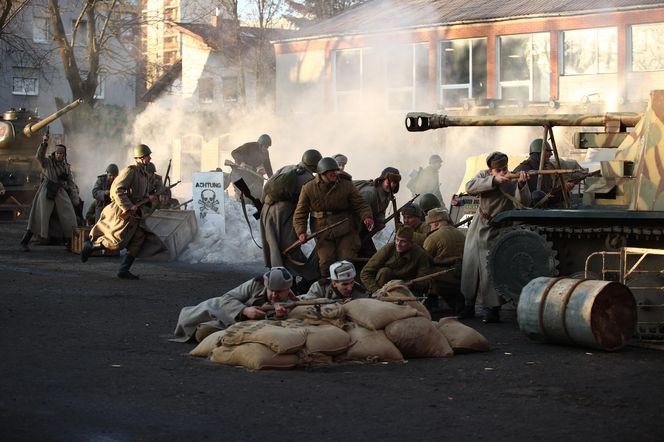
pixel 365 330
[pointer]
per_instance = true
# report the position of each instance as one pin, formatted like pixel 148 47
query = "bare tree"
pixel 310 11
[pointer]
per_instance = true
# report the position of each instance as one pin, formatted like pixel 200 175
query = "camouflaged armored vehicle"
pixel 20 134
pixel 624 207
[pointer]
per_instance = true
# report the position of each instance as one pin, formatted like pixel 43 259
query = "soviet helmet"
pixel 311 157
pixel 435 158
pixel 141 150
pixel 265 140
pixel 326 164
pixel 112 169
pixel 536 146
pixel 428 201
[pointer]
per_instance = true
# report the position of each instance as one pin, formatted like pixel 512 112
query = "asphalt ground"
pixel 86 357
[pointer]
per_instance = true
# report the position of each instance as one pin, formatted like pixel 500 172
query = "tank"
pixel 20 135
pixel 622 207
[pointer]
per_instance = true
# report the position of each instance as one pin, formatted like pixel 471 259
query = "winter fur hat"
pixel 278 279
pixel 437 215
pixel 342 271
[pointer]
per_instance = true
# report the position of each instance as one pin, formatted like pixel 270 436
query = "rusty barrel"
pixel 584 312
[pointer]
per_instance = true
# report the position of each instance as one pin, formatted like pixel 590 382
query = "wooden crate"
pixel 78 238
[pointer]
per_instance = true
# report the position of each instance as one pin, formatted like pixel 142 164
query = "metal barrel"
pixel 421 121
pixel 583 312
pixel 32 129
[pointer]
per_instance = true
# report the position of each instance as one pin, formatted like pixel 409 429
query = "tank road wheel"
pixel 517 256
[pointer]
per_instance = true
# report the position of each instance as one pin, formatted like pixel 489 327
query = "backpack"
pixel 282 186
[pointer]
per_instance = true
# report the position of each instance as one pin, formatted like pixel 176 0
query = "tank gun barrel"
pixel 32 129
pixel 421 121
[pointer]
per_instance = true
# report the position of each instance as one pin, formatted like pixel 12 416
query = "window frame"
pixel 457 86
pixel 46 31
pixel 530 82
pixel 630 36
pixel 597 51
pixel 23 73
pixel 349 92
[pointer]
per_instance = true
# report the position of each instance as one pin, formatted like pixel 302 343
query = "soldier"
pixel 445 245
pixel 239 304
pixel 340 285
pixel 412 217
pixel 101 191
pixel 255 157
pixel 342 160
pixel 377 193
pixel 548 188
pixel 428 201
pixel 426 179
pixel 57 192
pixel 282 192
pixel 497 194
pixel 401 259
pixel 327 199
pixel 121 224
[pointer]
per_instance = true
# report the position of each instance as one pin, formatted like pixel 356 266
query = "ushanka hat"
pixel 278 279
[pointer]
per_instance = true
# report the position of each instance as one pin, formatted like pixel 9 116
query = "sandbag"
pixel 418 337
pixel 208 344
pixel 374 314
pixel 321 311
pixel 254 356
pixel 281 340
pixel 397 288
pixel 370 346
pixel 326 339
pixel 462 338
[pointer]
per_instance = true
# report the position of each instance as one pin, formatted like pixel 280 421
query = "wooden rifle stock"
pixel 244 168
pixel 429 276
pixel 242 187
pixel 147 200
pixel 292 304
pixel 313 235
pixel 515 176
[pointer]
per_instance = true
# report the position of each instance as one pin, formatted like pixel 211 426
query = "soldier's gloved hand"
pixel 302 237
pixel 253 312
pixel 369 222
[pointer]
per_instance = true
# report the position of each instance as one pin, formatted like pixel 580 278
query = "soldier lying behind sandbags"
pixel 340 286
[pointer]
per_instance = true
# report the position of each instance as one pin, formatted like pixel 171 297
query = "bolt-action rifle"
pixel 394 214
pixel 515 176
pixel 244 168
pixel 292 304
pixel 147 200
pixel 313 235
pixel 433 275
pixel 242 187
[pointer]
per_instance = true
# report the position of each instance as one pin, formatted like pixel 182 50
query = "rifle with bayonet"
pixel 149 199
pixel 313 235
pixel 244 189
pixel 244 168
pixel 393 215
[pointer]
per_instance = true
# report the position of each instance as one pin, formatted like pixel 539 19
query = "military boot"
pixel 467 312
pixel 123 272
pixel 26 240
pixel 88 250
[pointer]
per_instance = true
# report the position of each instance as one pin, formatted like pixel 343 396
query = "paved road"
pixel 85 357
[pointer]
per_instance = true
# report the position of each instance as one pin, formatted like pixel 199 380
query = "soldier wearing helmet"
pixel 426 179
pixel 255 157
pixel 324 201
pixel 340 285
pixel 239 304
pixel 497 194
pixel 54 207
pixel 280 197
pixel 377 193
pixel 101 191
pixel 121 224
pixel 428 201
pixel 550 189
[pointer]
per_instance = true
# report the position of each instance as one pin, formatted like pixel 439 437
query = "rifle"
pixel 147 200
pixel 292 304
pixel 515 176
pixel 167 178
pixel 429 276
pixel 244 168
pixel 393 178
pixel 242 187
pixel 465 221
pixel 185 203
pixel 395 213
pixel 400 299
pixel 313 235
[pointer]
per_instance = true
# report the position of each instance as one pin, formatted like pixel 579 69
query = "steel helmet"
pixel 536 145
pixel 435 158
pixel 265 140
pixel 311 157
pixel 428 201
pixel 113 169
pixel 141 150
pixel 326 164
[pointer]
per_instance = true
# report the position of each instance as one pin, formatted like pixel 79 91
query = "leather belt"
pixel 485 215
pixel 323 214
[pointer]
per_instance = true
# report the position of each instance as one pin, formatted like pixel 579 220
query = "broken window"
pixel 25 81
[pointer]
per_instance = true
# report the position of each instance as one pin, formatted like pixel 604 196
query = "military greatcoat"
pixel 493 200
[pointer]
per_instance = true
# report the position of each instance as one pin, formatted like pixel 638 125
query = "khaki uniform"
pixel 378 200
pixel 445 245
pixel 493 200
pixel 277 231
pixel 252 155
pixel 114 232
pixel 420 233
pixel 99 194
pixel 323 289
pixel 224 310
pixel 328 203
pixel 58 174
pixel 388 264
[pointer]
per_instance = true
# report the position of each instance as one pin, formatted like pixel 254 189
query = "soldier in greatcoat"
pixel 254 156
pixel 497 194
pixel 324 201
pixel 341 284
pixel 239 304
pixel 401 259
pixel 53 208
pixel 277 219
pixel 101 191
pixel 121 224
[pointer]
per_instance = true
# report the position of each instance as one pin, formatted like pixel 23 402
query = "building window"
pixel 205 90
pixel 230 89
pixel 590 51
pixel 462 71
pixel 407 71
pixel 81 33
pixel 25 81
pixel 524 67
pixel 348 80
pixel 40 30
pixel 648 47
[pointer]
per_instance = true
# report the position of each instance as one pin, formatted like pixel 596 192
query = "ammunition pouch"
pixel 51 189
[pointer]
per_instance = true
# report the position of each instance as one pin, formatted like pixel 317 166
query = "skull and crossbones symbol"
pixel 208 202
